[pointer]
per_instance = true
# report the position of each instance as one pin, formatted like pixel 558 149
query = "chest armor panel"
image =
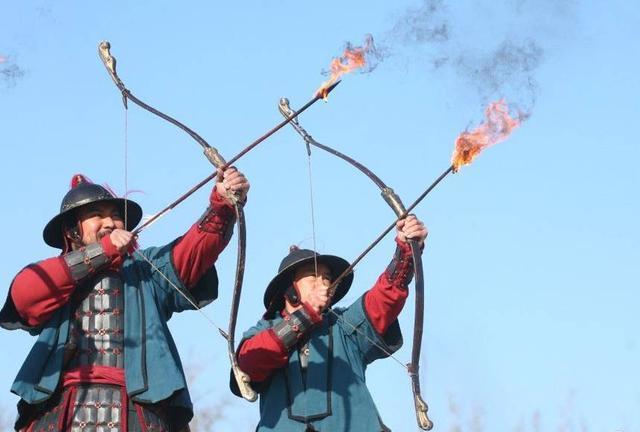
pixel 97 325
pixel 96 338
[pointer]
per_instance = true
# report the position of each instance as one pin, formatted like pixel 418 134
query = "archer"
pixel 308 365
pixel 104 358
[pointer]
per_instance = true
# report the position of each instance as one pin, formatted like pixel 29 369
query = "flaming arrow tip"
pixel 323 92
pixel 332 86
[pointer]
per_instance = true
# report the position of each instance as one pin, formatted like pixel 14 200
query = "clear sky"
pixel 532 259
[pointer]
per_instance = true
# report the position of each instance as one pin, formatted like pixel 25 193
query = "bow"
pixel 394 201
pixel 219 163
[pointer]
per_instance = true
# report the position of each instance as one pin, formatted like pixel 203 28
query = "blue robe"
pixel 153 370
pixel 332 395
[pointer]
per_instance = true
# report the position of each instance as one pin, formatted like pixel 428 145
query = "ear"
pixel 74 234
pixel 292 296
pixel 72 238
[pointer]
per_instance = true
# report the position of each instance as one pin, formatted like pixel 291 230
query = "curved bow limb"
pixel 421 406
pixel 242 379
pixel 394 201
pixel 217 161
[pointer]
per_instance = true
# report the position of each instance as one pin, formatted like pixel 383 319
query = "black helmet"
pixel 274 294
pixel 84 192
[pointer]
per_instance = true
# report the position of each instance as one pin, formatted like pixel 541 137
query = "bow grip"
pixel 394 201
pixel 216 159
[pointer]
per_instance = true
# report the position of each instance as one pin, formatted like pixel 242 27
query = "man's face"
pixel 98 220
pixel 306 279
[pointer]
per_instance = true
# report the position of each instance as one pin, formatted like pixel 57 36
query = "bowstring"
pixel 198 308
pixel 126 165
pixel 343 320
pixel 315 250
pixel 338 317
pixel 138 253
pixel 313 216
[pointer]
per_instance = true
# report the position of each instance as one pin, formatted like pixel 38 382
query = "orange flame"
pixel 497 127
pixel 352 58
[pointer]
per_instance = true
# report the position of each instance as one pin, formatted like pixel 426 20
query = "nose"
pixel 323 280
pixel 107 222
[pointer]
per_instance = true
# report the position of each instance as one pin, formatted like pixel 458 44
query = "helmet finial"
pixel 79 179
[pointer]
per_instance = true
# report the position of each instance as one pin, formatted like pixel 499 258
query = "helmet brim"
pixel 274 294
pixel 53 233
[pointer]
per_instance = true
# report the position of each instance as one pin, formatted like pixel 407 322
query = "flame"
pixel 497 127
pixel 352 58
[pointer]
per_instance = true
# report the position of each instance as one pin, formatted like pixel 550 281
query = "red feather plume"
pixel 79 179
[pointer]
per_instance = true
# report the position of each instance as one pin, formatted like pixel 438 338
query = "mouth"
pixel 101 234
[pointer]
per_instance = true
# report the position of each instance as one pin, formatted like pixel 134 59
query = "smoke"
pixel 425 24
pixel 493 48
pixel 374 55
pixel 10 72
pixel 507 70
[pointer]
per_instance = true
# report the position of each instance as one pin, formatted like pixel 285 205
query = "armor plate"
pixel 97 327
pixel 97 339
pixel 97 409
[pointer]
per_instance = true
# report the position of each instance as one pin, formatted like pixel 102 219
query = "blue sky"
pixel 532 259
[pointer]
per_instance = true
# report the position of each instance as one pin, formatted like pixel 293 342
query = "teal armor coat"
pixel 332 394
pixel 153 370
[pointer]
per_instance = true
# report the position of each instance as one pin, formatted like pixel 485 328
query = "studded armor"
pixel 97 339
pixel 97 326
pixel 97 408
pixel 86 261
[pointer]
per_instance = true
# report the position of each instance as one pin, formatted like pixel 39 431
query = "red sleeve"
pixel 386 299
pixel 260 355
pixel 40 289
pixel 198 249
pixel 263 353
